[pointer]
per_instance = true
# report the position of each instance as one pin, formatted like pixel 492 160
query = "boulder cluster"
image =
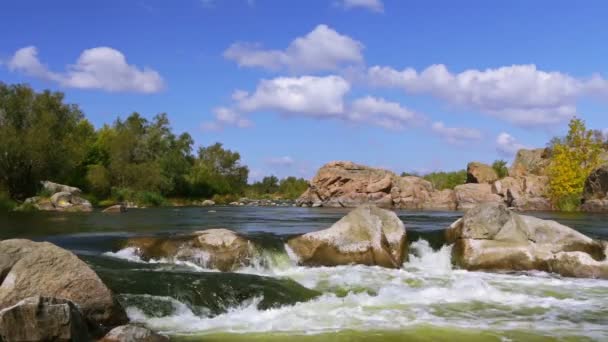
pixel 59 198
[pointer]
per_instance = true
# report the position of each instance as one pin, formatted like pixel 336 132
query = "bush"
pixel 500 166
pixel 6 203
pixel 568 203
pixel 446 180
pixel 141 198
pixel 225 199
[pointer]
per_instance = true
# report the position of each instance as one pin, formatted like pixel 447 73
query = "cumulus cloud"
pixel 225 117
pixel 455 135
pixel 322 49
pixel 372 5
pixel 507 145
pixel 520 94
pixel 321 98
pixel 97 68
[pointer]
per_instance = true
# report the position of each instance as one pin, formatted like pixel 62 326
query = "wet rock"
pixel 221 249
pixel 133 333
pixel 30 268
pixel 368 235
pixel 492 237
pixel 117 208
pixel 470 195
pixel 43 319
pixel 207 203
pixel 480 173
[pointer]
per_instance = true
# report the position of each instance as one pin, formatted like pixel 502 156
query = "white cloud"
pixel 323 49
pixel 225 117
pixel 306 95
pixel 280 161
pixel 520 94
pixel 372 5
pixel 97 68
pixel 455 135
pixel 380 112
pixel 507 145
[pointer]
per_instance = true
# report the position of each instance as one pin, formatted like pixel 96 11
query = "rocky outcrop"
pixel 480 173
pixel 62 198
pixel 346 184
pixel 43 319
pixel 492 237
pixel 368 235
pixel 595 194
pixel 30 268
pixel 470 195
pixel 117 208
pixel 133 333
pixel 220 249
pixel 530 162
pixel 525 193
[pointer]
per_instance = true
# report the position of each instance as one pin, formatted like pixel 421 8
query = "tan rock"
pixel 133 333
pixel 368 235
pixel 530 162
pixel 30 268
pixel 117 208
pixel 480 173
pixel 595 194
pixel 220 249
pixel 469 195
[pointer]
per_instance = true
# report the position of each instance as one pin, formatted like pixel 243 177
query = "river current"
pixel 274 299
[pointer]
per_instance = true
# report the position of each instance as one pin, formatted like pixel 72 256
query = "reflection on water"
pixel 275 299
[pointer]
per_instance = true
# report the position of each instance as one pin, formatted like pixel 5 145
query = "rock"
pixel 469 195
pixel 53 188
pixel 207 203
pixel 30 268
pixel 213 248
pixel 62 200
pixel 37 202
pixel 133 333
pixel 368 235
pixel 346 184
pixel 530 162
pixel 480 173
pixel 595 193
pixel 524 193
pixel 43 319
pixel 117 208
pixel 492 237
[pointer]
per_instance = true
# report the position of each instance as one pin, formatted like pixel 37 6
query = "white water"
pixel 425 291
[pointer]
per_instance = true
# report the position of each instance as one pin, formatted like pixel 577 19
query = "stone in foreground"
pixel 30 268
pixel 368 235
pixel 133 333
pixel 220 249
pixel 492 237
pixel 43 319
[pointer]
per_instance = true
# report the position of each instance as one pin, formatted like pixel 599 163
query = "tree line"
pixel 44 138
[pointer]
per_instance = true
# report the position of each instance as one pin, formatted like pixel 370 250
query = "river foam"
pixel 425 291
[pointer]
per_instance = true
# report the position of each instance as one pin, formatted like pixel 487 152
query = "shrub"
pixel 6 203
pixel 500 166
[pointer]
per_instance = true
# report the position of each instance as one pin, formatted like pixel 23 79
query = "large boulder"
pixel 530 162
pixel 346 184
pixel 524 193
pixel 52 188
pixel 220 249
pixel 480 173
pixel 492 237
pixel 470 195
pixel 368 235
pixel 59 201
pixel 133 333
pixel 30 268
pixel 595 194
pixel 43 319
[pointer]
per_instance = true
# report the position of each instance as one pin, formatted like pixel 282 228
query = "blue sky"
pixel 291 85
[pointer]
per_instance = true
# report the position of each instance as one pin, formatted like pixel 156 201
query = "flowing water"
pixel 426 300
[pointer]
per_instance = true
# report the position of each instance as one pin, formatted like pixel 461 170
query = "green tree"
pixel 217 171
pixel 573 158
pixel 500 166
pixel 292 187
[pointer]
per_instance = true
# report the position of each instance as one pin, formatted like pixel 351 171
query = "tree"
pixel 446 180
pixel 500 166
pixel 292 187
pixel 573 158
pixel 217 171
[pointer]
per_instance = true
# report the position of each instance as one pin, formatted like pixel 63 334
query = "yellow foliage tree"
pixel 573 158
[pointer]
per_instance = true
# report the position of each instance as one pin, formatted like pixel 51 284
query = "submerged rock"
pixel 221 249
pixel 368 235
pixel 480 173
pixel 30 268
pixel 492 237
pixel 133 333
pixel 43 319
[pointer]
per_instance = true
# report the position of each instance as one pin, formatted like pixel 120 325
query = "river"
pixel 426 300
